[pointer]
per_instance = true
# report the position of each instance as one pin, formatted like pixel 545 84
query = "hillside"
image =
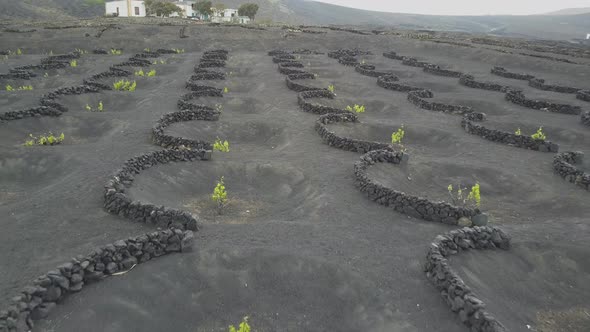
pixel 558 26
pixel 570 11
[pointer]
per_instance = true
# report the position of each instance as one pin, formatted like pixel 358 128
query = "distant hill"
pixel 570 11
pixel 558 26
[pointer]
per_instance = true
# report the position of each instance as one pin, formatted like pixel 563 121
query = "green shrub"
pixel 243 327
pixel 225 89
pixel 115 51
pixel 220 195
pixel 125 85
pixel 517 132
pixel 398 136
pixel 46 75
pixel 151 73
pixel 356 108
pixel 473 197
pixel 99 107
pixel 221 146
pixel 539 135
pixel 178 50
pixel 44 140
pixel 20 88
pixel 331 88
pixel 80 51
pixel 19 51
pixel 140 73
pixel 73 63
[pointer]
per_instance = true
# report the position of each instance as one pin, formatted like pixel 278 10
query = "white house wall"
pixel 111 8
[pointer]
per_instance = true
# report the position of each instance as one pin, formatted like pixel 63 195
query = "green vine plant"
pixel 220 196
pixel 73 63
pixel 20 88
pixel 331 88
pixel 243 327
pixel 398 135
pixel 99 107
pixel 147 49
pixel 221 146
pixel 356 108
pixel 44 139
pixel 46 75
pixel 518 132
pixel 473 197
pixel 151 73
pixel 539 135
pixel 19 51
pixel 115 51
pixel 125 85
pixel 160 62
pixel 81 51
pixel 225 89
pixel 218 107
pixel 178 50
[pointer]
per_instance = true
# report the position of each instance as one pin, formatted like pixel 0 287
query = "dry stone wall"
pixel 35 301
pixel 517 97
pixel 583 95
pixel 460 298
pixel 414 206
pixel 501 71
pixel 345 143
pixel 563 165
pixel 521 141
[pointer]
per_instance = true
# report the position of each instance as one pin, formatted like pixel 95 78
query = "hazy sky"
pixel 463 7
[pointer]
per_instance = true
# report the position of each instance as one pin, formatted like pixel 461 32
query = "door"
pixel 136 11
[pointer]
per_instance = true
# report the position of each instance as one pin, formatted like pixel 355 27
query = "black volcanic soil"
pixel 299 248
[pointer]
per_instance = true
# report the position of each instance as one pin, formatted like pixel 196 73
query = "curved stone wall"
pixel 539 83
pixel 413 62
pixel 521 141
pixel 35 301
pixel 287 68
pixel 501 71
pixel 585 118
pixel 563 164
pixel 168 141
pixel 455 292
pixel 437 70
pixel 469 81
pixel 416 97
pixel 369 70
pixel 390 82
pixel 414 206
pixel 345 143
pixel 203 74
pixel 393 56
pixel 517 97
pixel 291 84
pixel 117 202
pixel 348 61
pixel 314 107
pixel 583 95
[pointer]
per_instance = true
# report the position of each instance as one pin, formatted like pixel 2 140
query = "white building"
pixel 588 36
pixel 187 9
pixel 225 16
pixel 125 8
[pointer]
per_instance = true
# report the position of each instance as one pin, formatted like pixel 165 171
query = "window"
pixel 136 11
pixel 117 11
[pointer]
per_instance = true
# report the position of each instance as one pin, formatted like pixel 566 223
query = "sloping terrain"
pixel 561 26
pixel 301 246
